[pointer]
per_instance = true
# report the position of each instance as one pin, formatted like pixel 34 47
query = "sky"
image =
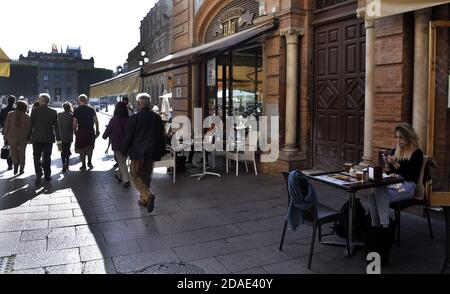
pixel 105 29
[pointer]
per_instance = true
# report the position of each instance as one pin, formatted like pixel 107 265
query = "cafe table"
pixel 345 181
pixel 204 172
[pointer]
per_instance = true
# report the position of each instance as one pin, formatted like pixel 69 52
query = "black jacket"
pixel 3 114
pixel 144 136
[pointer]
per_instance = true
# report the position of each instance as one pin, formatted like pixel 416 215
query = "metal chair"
pixel 168 160
pixel 318 215
pixel 421 198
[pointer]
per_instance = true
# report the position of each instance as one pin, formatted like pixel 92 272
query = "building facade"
pixel 338 80
pixel 58 72
pixel 155 35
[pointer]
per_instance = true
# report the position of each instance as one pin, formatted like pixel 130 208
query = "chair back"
pixel 420 192
pixel 311 214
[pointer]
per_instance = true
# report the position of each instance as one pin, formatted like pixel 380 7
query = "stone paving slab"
pixel 135 262
pixel 49 258
pixel 204 250
pixel 11 248
pixel 100 251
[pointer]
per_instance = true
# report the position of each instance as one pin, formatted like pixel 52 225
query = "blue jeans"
pixel 379 201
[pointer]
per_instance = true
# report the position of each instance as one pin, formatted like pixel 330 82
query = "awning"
pixel 209 49
pixel 382 8
pixel 124 84
pixel 5 67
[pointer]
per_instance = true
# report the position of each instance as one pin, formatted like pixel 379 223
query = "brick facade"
pixel 394 57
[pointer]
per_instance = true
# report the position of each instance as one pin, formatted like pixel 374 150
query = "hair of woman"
pixel 67 106
pixel 21 106
pixel 411 138
pixel 121 110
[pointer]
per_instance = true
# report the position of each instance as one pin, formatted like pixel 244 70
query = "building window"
pixel 68 93
pixel 45 90
pixel 45 77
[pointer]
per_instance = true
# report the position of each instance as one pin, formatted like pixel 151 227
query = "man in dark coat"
pixel 44 127
pixel 144 143
pixel 3 114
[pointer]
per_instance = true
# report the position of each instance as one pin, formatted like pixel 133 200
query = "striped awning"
pixel 381 8
pixel 124 84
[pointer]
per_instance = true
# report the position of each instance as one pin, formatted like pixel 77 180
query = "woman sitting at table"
pixel 404 160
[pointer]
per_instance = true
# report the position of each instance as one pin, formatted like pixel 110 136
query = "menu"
pixel 339 179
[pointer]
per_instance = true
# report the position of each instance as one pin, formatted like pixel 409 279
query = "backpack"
pixel 360 220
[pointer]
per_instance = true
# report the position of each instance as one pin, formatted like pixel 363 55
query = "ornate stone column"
pixel 420 95
pixel 292 39
pixel 369 90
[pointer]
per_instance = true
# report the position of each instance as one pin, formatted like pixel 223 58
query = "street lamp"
pixel 143 60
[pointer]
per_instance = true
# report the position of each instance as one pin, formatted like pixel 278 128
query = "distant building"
pixel 58 72
pixel 155 32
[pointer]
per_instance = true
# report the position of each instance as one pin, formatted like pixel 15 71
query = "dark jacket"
pixel 65 120
pixel 116 131
pixel 302 198
pixel 144 136
pixel 4 113
pixel 44 126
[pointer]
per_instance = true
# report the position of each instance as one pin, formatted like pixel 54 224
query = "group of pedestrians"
pixel 139 137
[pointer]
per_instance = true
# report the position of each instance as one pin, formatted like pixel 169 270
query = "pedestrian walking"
pixel 84 119
pixel 115 131
pixel 16 131
pixel 3 114
pixel 44 128
pixel 144 143
pixel 129 107
pixel 65 120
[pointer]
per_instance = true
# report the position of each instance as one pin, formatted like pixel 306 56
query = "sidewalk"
pixel 86 222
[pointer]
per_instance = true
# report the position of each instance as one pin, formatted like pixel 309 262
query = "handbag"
pixel 5 152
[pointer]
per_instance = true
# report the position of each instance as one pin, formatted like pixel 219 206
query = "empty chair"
pixel 420 198
pixel 319 215
pixel 248 154
pixel 168 160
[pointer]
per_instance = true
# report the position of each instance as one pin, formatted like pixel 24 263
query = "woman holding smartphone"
pixel 406 161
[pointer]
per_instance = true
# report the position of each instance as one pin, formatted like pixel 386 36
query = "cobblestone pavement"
pixel 86 222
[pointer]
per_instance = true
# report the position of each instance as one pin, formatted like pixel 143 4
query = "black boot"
pixel 63 160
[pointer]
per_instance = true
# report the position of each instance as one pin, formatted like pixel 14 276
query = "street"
pixel 86 222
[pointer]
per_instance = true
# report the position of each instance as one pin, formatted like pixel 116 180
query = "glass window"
pixel 45 77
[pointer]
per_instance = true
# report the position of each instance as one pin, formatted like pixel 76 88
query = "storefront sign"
pixel 230 20
pixel 211 72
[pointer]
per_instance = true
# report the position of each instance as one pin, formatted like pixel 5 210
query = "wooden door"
pixel 339 82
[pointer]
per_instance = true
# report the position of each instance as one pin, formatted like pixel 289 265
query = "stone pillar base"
pixel 366 161
pixel 286 161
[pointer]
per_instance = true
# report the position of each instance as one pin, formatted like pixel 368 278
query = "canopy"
pixel 212 48
pixel 5 67
pixel 382 8
pixel 124 84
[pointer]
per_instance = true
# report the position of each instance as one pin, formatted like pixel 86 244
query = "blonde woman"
pixel 405 160
pixel 16 130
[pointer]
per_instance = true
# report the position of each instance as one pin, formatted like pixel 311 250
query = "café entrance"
pixel 235 84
